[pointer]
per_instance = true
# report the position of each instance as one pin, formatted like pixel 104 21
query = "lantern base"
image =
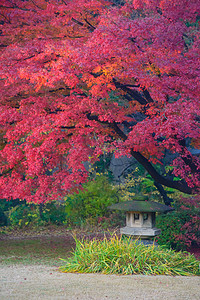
pixel 140 232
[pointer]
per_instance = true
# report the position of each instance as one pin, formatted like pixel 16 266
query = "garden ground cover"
pixel 36 277
pixel 45 250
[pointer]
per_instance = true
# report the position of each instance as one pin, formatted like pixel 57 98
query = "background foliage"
pixel 181 228
pixel 91 204
pixel 21 214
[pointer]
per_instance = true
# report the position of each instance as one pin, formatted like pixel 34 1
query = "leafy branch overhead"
pixel 79 78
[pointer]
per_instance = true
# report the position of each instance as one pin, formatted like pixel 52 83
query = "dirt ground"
pixel 44 282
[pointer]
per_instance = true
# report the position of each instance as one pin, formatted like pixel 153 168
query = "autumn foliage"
pixel 79 78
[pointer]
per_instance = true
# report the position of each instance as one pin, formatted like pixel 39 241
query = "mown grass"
pixel 125 257
pixel 31 251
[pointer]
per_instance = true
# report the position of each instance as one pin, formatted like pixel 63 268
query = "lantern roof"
pixel 138 205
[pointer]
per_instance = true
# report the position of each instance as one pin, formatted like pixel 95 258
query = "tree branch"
pixel 159 179
pixel 188 159
pixel 92 27
pixel 17 7
pixel 163 193
pixel 179 185
pixel 134 94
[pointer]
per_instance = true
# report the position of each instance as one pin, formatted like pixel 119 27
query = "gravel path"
pixel 41 282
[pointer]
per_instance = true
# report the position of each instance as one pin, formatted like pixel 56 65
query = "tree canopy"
pixel 79 78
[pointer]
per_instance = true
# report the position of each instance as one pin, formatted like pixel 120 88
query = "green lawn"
pixel 35 250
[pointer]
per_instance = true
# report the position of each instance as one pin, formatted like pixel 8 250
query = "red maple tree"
pixel 87 76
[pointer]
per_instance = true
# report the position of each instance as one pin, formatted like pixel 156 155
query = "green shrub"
pixel 125 256
pixel 91 204
pixel 181 228
pixel 3 218
pixel 5 206
pixel 29 214
pixel 53 213
pixel 23 215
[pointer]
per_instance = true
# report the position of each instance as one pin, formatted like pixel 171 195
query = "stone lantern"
pixel 140 217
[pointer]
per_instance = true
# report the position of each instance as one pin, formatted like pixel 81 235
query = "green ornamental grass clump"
pixel 125 256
